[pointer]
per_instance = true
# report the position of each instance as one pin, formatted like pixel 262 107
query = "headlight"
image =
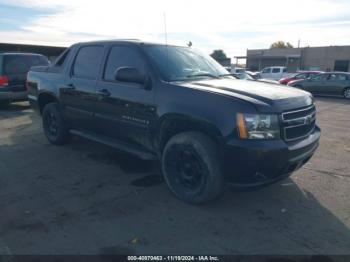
pixel 256 126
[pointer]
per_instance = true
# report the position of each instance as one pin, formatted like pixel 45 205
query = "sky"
pixel 233 26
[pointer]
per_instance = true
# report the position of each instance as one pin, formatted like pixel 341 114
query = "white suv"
pixel 274 72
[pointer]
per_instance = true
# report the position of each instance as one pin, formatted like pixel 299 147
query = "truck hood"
pixel 264 96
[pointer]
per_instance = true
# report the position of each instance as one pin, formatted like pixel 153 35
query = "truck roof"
pixel 131 41
pixel 18 53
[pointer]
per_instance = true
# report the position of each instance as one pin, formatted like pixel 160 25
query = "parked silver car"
pixel 332 83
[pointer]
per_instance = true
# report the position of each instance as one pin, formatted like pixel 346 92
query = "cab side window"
pixel 266 70
pixel 87 62
pixel 61 60
pixel 122 56
pixel 275 70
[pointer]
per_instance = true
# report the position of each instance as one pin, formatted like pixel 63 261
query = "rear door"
pixel 341 83
pixel 78 94
pixel 332 85
pixel 125 111
pixel 16 67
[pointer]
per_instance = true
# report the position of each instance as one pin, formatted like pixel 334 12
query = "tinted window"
pixel 121 56
pixel 284 70
pixel 303 76
pixel 266 70
pixel 62 58
pixel 275 70
pixel 321 77
pixel 333 77
pixel 341 77
pixel 87 62
pixel 312 75
pixel 20 64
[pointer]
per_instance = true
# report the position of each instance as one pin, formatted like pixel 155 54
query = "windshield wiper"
pixel 202 74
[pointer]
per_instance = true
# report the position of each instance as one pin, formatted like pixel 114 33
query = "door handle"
pixel 103 92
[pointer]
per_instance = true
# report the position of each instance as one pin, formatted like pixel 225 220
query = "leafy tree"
pixel 218 55
pixel 281 44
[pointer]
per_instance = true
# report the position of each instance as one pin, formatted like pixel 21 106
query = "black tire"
pixel 55 129
pixel 346 93
pixel 192 169
pixel 4 104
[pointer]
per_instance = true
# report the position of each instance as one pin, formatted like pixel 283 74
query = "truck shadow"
pixel 14 109
pixel 83 191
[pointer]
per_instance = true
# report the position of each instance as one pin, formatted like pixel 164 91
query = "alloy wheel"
pixel 347 93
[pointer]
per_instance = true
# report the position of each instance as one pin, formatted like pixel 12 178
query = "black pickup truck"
pixel 176 105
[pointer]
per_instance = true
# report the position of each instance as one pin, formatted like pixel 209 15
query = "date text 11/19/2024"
pixel 173 258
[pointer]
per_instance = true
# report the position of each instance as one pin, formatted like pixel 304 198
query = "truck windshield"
pixel 183 63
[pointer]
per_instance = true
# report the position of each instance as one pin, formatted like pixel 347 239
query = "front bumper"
pixel 249 163
pixel 10 95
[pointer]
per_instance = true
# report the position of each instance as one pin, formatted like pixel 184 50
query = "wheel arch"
pixel 44 99
pixel 173 124
pixel 347 87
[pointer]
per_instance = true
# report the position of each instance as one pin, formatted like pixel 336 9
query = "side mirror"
pixel 131 75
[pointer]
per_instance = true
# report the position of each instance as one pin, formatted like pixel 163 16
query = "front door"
pixel 125 111
pixel 78 94
pixel 266 73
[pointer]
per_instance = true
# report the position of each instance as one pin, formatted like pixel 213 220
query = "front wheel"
pixel 346 93
pixel 54 127
pixel 191 167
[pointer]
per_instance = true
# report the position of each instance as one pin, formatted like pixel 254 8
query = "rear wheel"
pixel 346 93
pixel 55 129
pixel 191 167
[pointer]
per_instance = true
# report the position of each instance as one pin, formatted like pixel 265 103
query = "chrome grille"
pixel 298 123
